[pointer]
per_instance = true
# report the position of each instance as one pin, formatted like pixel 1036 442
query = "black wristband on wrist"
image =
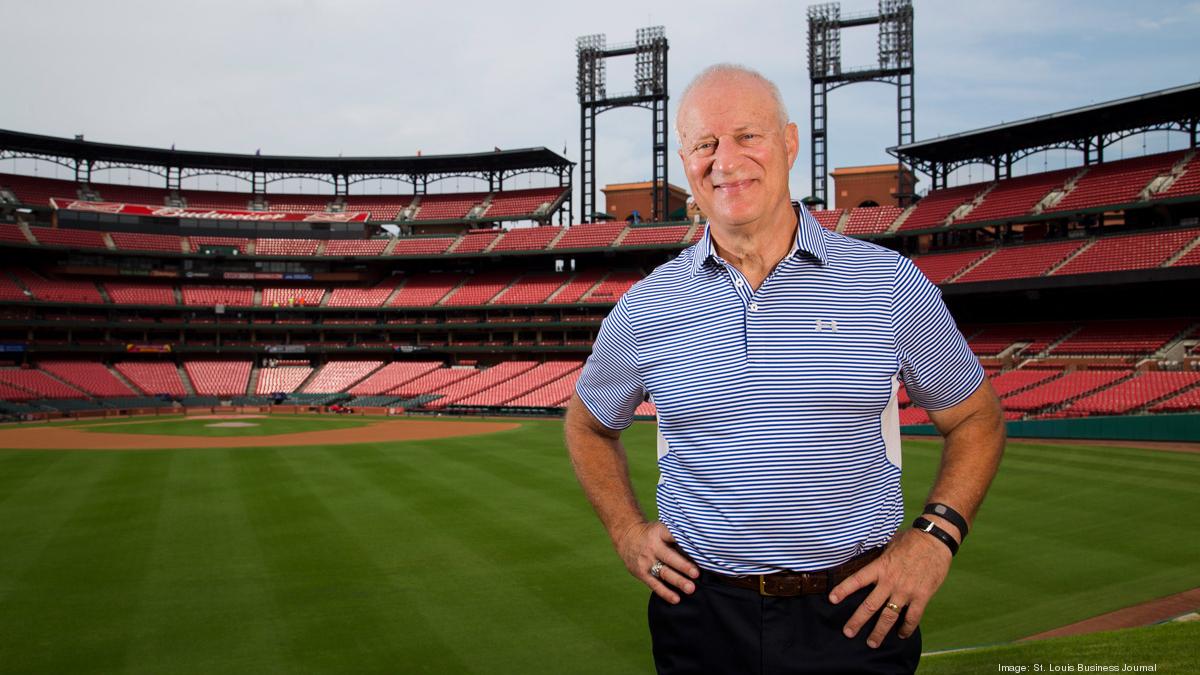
pixel 925 525
pixel 955 518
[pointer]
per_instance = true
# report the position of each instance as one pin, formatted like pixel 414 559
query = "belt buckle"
pixel 762 586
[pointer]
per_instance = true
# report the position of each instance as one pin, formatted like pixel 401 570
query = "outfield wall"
pixel 1183 427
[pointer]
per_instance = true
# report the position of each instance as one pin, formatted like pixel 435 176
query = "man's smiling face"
pixel 736 150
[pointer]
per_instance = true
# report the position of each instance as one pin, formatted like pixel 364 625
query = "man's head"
pixel 737 145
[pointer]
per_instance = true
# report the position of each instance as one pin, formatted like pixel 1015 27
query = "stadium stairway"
pixel 845 218
pixel 187 382
pixel 24 228
pixel 1164 181
pixel 104 294
pixel 1182 252
pixel 492 245
pixel 1031 358
pixel 964 271
pixel 252 383
pixel 1175 348
pixel 1075 254
pixel 454 289
pixel 1056 195
pixel 620 237
pixel 1178 392
pixel 554 242
pixel 108 242
pixel 896 224
pixel 311 376
pixel 387 301
pixel 391 246
pixel 596 285
pixel 1060 408
pixel 963 210
pixel 21 285
pixel 121 378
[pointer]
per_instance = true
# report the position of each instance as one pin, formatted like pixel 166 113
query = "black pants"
pixel 722 629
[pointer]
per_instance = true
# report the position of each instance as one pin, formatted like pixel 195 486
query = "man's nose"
pixel 727 157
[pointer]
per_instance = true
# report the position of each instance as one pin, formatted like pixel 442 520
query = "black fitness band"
pixel 955 518
pixel 925 525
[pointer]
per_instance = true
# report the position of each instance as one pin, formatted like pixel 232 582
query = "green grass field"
pixel 480 554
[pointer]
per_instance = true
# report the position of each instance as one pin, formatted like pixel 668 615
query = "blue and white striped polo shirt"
pixel 778 406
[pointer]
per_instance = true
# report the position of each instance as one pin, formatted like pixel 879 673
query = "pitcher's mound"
pixel 232 424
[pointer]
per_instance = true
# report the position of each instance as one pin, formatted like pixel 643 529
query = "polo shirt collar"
pixel 810 238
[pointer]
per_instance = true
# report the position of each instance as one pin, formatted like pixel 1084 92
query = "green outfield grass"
pixel 203 426
pixel 1170 647
pixel 480 554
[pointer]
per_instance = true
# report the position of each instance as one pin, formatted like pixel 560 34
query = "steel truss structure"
pixel 895 52
pixel 650 92
pixel 1088 130
pixel 174 166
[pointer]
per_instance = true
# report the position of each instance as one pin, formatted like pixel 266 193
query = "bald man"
pixel 773 350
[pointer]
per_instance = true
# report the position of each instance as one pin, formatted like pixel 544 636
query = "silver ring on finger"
pixel 893 606
pixel 656 569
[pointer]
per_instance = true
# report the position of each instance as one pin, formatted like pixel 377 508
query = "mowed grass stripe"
pixel 1052 546
pixel 72 610
pixel 523 558
pixel 480 554
pixel 37 495
pixel 1171 647
pixel 340 609
pixel 204 604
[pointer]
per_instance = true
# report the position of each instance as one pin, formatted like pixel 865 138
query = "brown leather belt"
pixel 788 584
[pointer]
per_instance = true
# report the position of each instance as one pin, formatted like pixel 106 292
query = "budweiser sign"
pixel 207 214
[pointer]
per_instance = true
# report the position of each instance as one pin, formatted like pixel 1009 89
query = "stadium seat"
pixel 526 239
pixel 512 203
pixel 1116 182
pixel 1020 262
pixel 153 378
pixel 1128 252
pixel 219 378
pixel 88 376
pixel 871 219
pixel 337 376
pixel 936 207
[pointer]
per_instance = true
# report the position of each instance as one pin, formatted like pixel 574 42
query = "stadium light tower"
pixel 895 51
pixel 650 92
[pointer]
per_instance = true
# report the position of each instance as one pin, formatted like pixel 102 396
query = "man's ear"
pixel 791 138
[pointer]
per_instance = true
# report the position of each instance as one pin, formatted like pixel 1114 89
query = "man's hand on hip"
pixel 645 544
pixel 909 572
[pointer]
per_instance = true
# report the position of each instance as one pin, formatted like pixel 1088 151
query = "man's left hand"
pixel 908 573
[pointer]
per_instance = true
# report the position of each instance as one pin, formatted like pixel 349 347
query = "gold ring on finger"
pixel 893 606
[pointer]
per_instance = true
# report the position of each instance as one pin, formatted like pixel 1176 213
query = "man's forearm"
pixel 970 459
pixel 602 471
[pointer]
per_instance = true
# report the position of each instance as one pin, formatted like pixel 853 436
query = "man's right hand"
pixel 644 544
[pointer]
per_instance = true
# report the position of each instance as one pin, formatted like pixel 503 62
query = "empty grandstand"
pixel 1072 285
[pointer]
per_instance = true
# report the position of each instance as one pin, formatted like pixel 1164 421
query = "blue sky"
pixel 368 77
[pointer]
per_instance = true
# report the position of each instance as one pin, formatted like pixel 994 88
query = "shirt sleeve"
pixel 936 364
pixel 611 384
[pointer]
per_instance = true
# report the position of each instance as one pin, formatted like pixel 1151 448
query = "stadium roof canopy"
pixel 84 155
pixel 1088 129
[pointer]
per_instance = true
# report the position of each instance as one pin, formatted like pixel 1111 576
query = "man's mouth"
pixel 733 186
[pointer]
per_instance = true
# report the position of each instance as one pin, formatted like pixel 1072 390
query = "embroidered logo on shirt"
pixel 827 324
